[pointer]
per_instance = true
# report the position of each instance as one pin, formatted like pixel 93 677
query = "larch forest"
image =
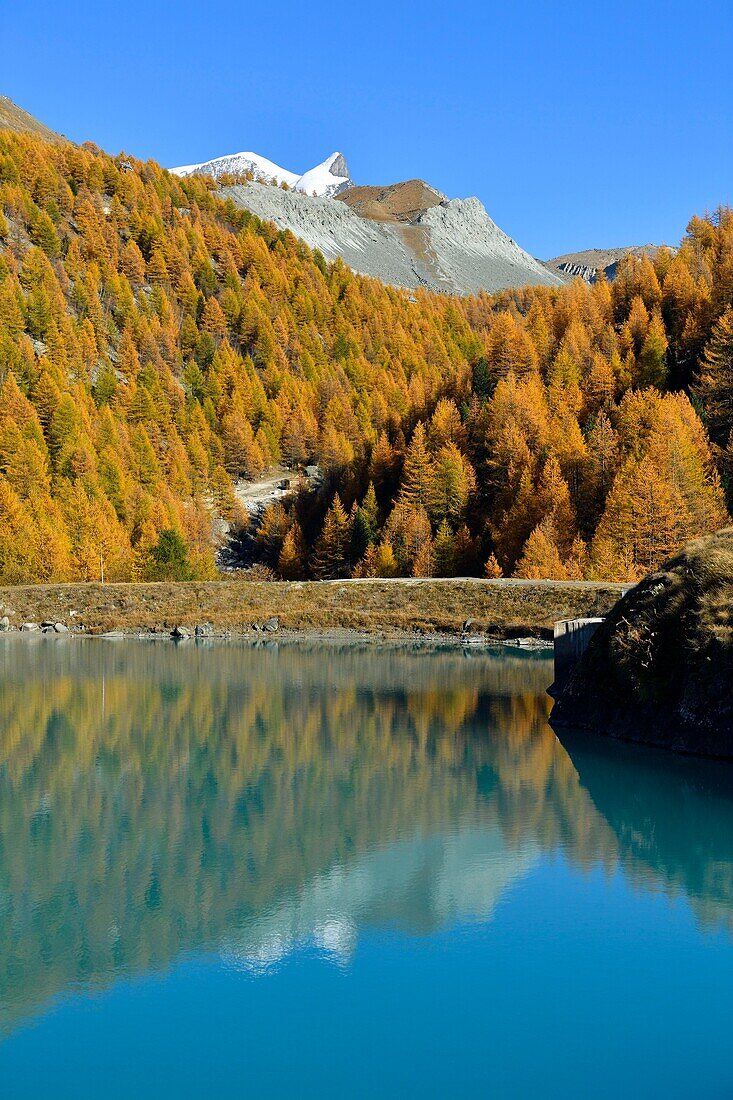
pixel 158 344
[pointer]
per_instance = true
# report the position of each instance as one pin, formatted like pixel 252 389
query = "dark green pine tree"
pixel 714 389
pixel 360 535
pixel 331 558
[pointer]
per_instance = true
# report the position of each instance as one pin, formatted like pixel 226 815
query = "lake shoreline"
pixel 337 639
pixel 400 610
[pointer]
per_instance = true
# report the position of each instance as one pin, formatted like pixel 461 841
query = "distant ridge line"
pixel 13 117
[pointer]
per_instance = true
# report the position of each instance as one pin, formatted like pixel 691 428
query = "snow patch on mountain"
pixel 328 178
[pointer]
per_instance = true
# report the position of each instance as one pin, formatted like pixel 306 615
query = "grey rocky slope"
pixel 452 246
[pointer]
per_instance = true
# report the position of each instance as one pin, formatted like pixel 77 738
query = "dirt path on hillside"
pixel 277 483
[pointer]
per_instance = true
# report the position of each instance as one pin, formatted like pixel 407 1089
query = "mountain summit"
pixel 331 177
pixel 590 263
pixel 328 178
pixel 407 234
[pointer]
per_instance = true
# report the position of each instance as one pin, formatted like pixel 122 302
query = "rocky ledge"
pixel 659 670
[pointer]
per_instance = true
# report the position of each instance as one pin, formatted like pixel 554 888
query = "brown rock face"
pixel 399 202
pixel 660 669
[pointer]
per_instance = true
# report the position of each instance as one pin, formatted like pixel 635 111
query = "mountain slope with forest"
pixel 157 343
pixel 587 264
pixel 406 234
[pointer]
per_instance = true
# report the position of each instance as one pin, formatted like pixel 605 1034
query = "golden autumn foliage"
pixel 157 344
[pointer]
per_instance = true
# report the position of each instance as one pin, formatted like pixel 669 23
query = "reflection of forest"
pixel 157 800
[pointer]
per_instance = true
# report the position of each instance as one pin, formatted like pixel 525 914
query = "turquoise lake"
pixel 310 871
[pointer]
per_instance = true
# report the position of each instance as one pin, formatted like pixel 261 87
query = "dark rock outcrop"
pixel 340 168
pixel 660 669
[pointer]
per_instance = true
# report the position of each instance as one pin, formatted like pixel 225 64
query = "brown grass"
pixel 498 608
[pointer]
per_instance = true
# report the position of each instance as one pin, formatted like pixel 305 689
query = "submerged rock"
pixel 659 670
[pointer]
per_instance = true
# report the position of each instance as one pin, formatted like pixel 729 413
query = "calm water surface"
pixel 304 871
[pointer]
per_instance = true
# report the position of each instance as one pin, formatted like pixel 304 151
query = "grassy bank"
pixel 502 608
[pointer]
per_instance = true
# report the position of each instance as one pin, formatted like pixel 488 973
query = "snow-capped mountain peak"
pixel 262 169
pixel 328 178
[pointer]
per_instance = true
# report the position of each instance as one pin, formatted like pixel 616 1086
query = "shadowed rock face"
pixel 340 168
pixel 660 669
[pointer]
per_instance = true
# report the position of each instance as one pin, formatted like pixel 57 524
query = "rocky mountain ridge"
pixel 408 235
pixel 398 202
pixel 588 263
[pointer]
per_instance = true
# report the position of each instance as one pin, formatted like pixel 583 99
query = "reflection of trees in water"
pixel 157 800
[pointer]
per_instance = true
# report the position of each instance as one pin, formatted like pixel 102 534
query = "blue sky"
pixel 578 125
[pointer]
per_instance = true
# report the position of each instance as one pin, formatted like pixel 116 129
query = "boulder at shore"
pixel 659 670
